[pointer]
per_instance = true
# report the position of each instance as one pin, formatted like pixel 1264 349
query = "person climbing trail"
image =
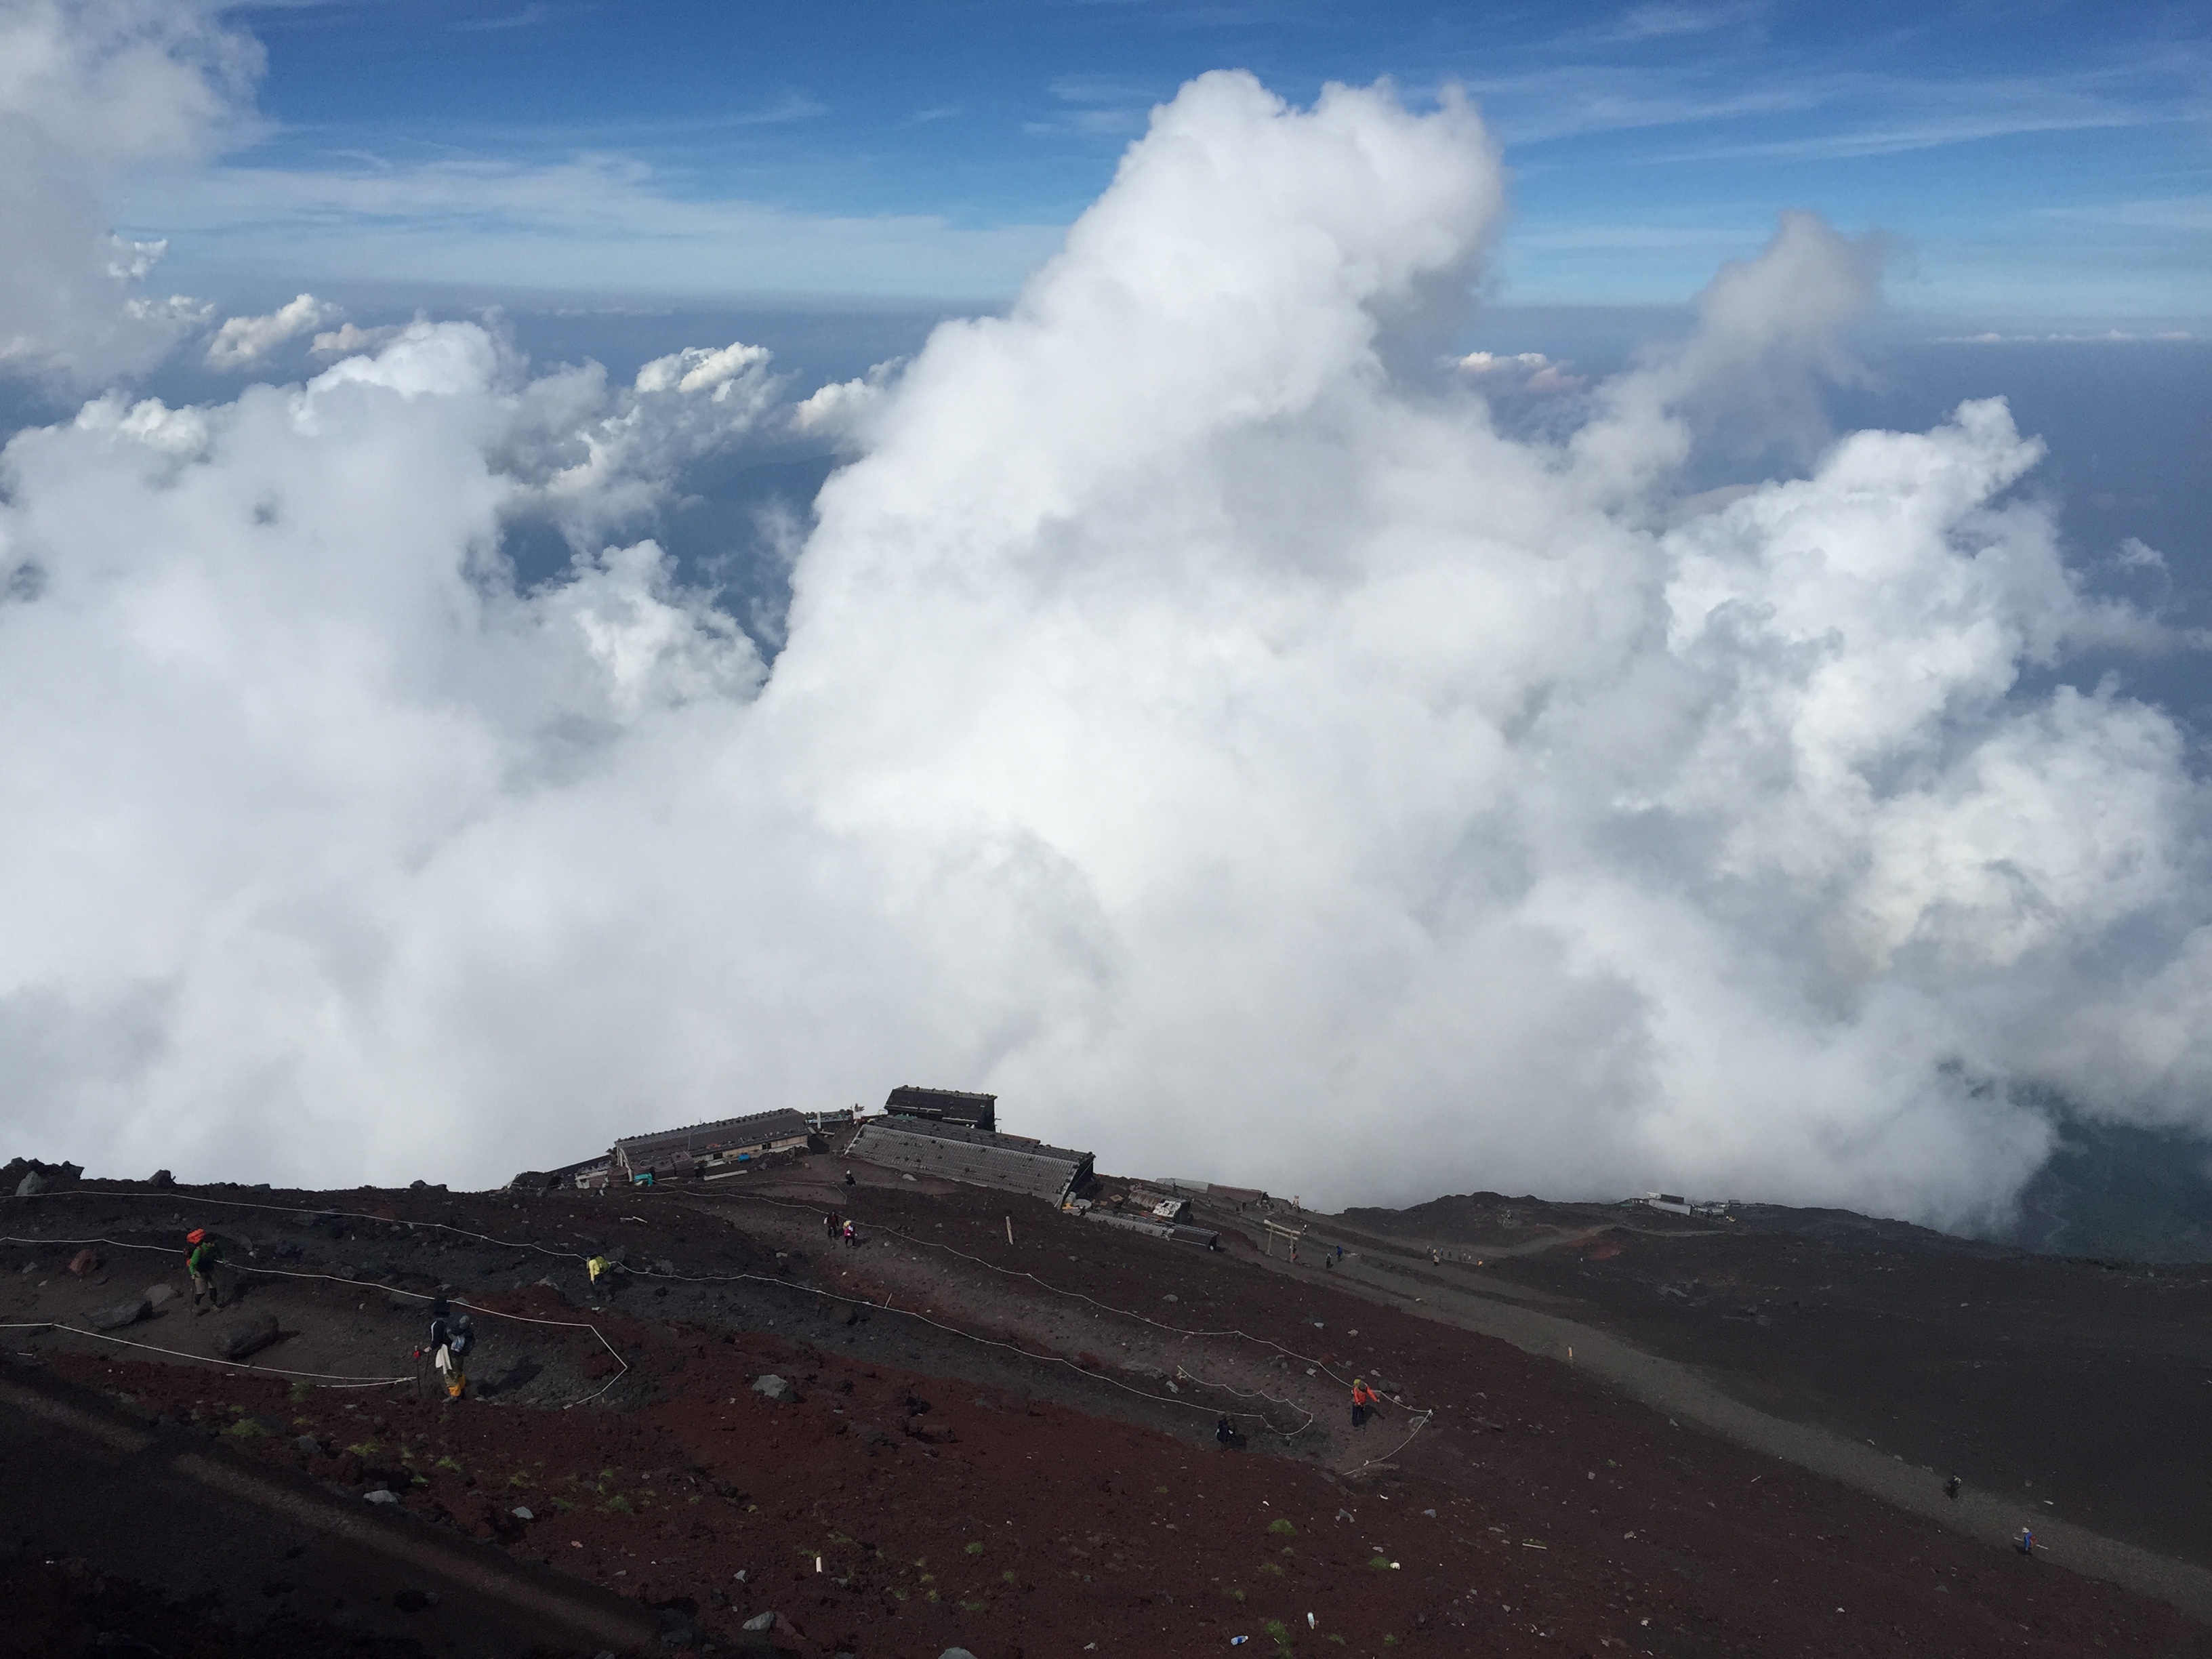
pixel 200 1258
pixel 1365 1402
pixel 451 1335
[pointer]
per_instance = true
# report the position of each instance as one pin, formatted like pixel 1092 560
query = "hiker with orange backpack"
pixel 200 1258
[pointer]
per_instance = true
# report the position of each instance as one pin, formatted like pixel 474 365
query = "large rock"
pixel 15 1176
pixel 249 1334
pixel 776 1389
pixel 129 1311
pixel 160 1295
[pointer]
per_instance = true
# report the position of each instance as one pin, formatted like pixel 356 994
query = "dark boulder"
pixel 249 1334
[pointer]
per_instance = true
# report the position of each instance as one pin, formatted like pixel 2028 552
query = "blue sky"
pixel 2037 163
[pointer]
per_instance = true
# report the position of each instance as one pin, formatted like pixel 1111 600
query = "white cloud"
pixel 1525 370
pixel 243 341
pixel 842 409
pixel 348 339
pixel 88 87
pixel 1240 756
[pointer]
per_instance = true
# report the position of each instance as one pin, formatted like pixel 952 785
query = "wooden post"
pixel 1010 1230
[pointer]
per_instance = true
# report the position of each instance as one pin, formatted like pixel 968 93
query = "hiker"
pixel 1365 1401
pixel 849 1182
pixel 451 1335
pixel 830 1224
pixel 199 1264
pixel 1225 1434
pixel 1951 1489
pixel 2026 1544
pixel 1435 1259
pixel 852 1236
pixel 598 1266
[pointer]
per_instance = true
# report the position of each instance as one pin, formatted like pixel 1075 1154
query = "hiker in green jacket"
pixel 199 1263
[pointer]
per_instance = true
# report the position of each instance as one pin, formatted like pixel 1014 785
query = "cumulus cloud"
pixel 243 341
pixel 88 88
pixel 351 339
pixel 1526 371
pixel 840 409
pixel 1199 722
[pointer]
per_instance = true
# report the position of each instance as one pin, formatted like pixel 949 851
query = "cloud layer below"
pixel 1200 720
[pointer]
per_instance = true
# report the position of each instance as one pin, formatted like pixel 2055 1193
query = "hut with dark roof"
pixel 944 1106
pixel 698 1147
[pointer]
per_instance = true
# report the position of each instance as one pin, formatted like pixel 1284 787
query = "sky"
pixel 2037 160
pixel 1624 607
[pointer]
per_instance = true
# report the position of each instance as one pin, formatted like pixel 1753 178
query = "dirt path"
pixel 1686 1396
pixel 291 1561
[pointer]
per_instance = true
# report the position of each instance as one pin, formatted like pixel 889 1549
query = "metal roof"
pixel 755 1129
pixel 945 1105
pixel 975 1157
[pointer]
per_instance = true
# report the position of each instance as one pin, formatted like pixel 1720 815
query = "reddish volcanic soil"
pixel 1017 1457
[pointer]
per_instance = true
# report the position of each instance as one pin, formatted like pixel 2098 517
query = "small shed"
pixel 977 1158
pixel 697 1145
pixel 944 1106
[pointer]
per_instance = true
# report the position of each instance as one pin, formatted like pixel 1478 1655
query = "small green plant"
pixel 366 1449
pixel 975 1549
pixel 1234 1593
pixel 247 1428
pixel 1007 1575
pixel 563 1504
pixel 1382 1561
pixel 1273 1569
pixel 417 1481
pixel 1282 1527
pixel 518 1480
pixel 450 1463
pixel 973 1606
pixel 300 1391
pixel 617 1506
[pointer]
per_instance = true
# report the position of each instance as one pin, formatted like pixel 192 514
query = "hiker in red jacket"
pixel 1365 1400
